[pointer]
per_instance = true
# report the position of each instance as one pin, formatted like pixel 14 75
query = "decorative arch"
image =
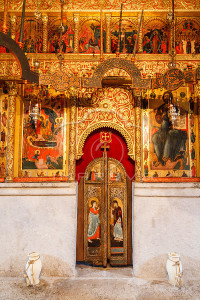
pixel 99 125
pixel 26 72
pixel 96 80
pixel 154 19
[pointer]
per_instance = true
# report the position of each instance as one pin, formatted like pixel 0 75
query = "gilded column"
pixel 108 33
pixel 140 38
pixel 45 33
pixel 12 88
pixel 5 15
pixel 72 139
pixel 13 20
pixel 76 33
pixel 197 95
pixel 138 150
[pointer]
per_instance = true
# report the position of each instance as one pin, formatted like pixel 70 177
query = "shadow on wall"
pixel 156 268
pixel 51 266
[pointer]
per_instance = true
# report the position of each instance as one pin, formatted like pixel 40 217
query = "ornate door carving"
pixel 106 234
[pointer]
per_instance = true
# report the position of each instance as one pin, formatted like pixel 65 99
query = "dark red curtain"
pixel 92 150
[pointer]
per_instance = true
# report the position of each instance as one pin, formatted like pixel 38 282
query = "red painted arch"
pixel 92 149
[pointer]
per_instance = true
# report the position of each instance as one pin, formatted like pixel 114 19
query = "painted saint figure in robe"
pixel 46 136
pixel 169 143
pixel 93 223
pixel 89 38
pixel 95 173
pixel 156 41
pixel 118 222
pixel 115 175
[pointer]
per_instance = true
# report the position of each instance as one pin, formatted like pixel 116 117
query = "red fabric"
pixel 92 150
pixel 95 236
pixel 94 211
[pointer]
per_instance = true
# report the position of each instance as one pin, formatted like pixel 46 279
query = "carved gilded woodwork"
pixel 86 62
pixel 45 32
pixel 138 142
pixel 12 90
pixel 103 124
pixel 109 5
pixel 60 81
pixel 72 139
pixel 26 73
pixel 96 80
pixel 109 108
pixel 173 79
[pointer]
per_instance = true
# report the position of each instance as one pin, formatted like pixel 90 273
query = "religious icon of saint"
pixel 155 42
pixel 118 223
pixel 169 143
pixel 188 46
pixel 93 223
pixel 116 176
pixel 95 173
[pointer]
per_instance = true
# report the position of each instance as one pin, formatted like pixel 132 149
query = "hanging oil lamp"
pixel 35 112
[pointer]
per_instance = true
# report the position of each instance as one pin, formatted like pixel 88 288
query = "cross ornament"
pixel 105 148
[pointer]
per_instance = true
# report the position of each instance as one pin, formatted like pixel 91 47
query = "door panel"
pixel 117 213
pixel 93 212
pixel 106 232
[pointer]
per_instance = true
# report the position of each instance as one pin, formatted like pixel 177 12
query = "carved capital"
pixel 13 19
pixel 108 18
pixel 13 22
pixel 12 88
pixel 76 18
pixel 45 19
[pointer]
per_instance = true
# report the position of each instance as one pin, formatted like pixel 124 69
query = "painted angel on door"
pixel 93 223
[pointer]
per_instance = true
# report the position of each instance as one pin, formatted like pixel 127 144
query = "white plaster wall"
pixel 166 219
pixel 38 217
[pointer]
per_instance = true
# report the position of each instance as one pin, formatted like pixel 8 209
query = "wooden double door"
pixel 104 221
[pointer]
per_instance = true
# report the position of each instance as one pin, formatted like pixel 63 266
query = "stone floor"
pixel 98 283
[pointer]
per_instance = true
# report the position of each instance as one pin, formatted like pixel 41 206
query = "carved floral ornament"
pixel 172 79
pixel 64 80
pixel 78 5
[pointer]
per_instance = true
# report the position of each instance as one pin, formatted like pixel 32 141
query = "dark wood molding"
pixel 26 72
